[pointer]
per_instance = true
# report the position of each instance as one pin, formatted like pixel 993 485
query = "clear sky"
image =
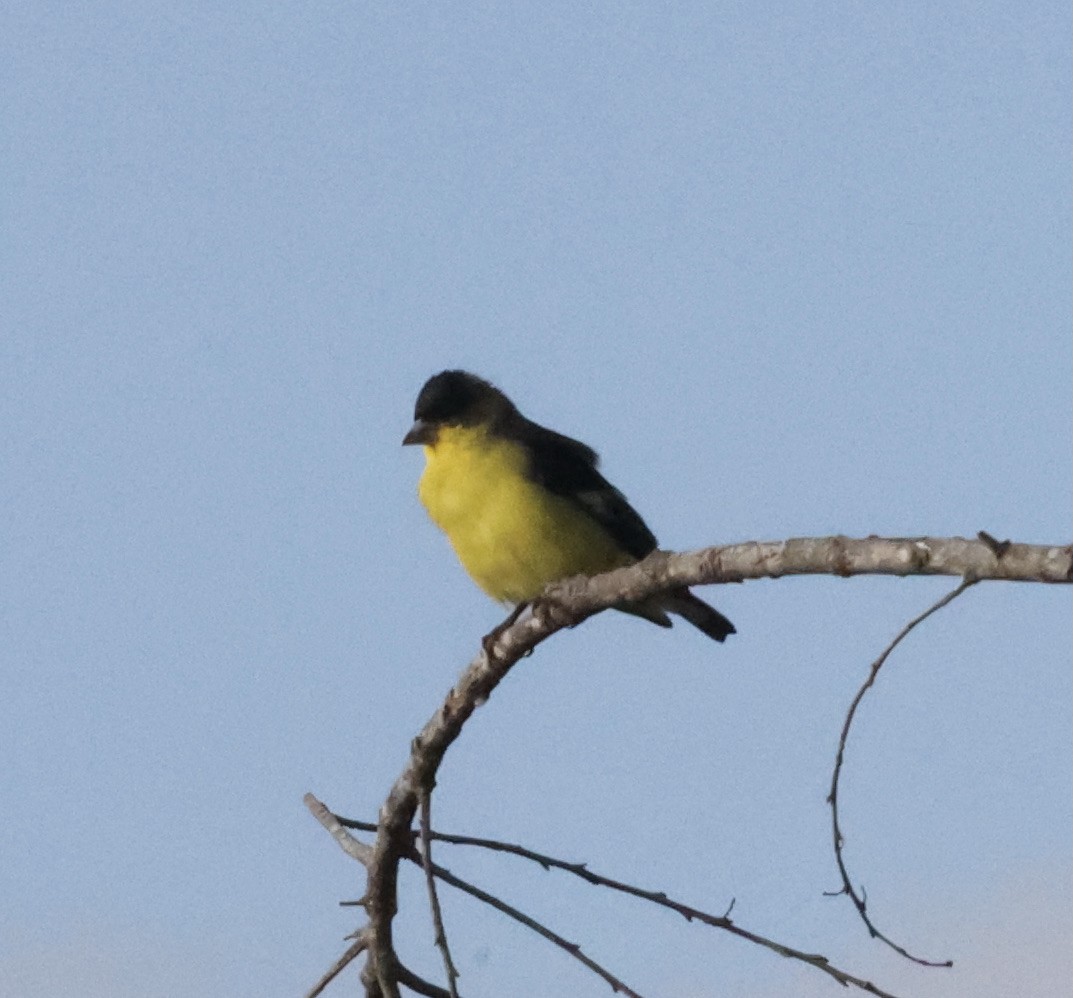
pixel 793 269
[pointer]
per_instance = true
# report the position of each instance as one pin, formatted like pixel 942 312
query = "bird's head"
pixel 456 398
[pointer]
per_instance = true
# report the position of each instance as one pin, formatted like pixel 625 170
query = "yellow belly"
pixel 511 535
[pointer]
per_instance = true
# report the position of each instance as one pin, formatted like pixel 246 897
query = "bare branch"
pixel 347 842
pixel 354 950
pixel 418 859
pixel 845 556
pixel 689 913
pixel 572 948
pixel 433 897
pixel 686 911
pixel 832 798
pixel 570 602
pixel 427 749
pixel 408 979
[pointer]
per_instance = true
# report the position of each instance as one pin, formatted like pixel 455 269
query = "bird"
pixel 524 506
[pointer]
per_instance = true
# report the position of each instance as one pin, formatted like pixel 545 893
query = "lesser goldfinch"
pixel 524 506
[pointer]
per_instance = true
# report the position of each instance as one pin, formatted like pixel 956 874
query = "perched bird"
pixel 524 506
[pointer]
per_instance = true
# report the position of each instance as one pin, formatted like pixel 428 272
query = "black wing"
pixel 567 467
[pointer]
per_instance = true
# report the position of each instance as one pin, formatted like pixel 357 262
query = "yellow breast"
pixel 511 535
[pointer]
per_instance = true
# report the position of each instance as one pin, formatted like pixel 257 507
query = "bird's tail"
pixel 703 617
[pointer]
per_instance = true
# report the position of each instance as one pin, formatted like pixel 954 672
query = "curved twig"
pixel 859 900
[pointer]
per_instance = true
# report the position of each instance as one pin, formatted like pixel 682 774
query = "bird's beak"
pixel 420 433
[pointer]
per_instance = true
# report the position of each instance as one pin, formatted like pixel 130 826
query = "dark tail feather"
pixel 647 611
pixel 703 617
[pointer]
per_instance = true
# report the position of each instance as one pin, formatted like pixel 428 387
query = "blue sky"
pixel 791 269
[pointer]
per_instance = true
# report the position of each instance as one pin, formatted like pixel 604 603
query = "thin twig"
pixel 433 898
pixel 660 898
pixel 689 913
pixel 354 950
pixel 859 900
pixel 572 948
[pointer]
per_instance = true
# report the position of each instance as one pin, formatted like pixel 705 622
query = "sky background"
pixel 792 269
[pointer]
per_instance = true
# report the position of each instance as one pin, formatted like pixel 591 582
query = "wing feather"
pixel 568 468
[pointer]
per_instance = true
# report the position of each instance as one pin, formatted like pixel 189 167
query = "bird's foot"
pixel 489 640
pixel 548 607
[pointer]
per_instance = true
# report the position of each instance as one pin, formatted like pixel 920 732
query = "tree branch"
pixel 568 603
pixel 977 558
